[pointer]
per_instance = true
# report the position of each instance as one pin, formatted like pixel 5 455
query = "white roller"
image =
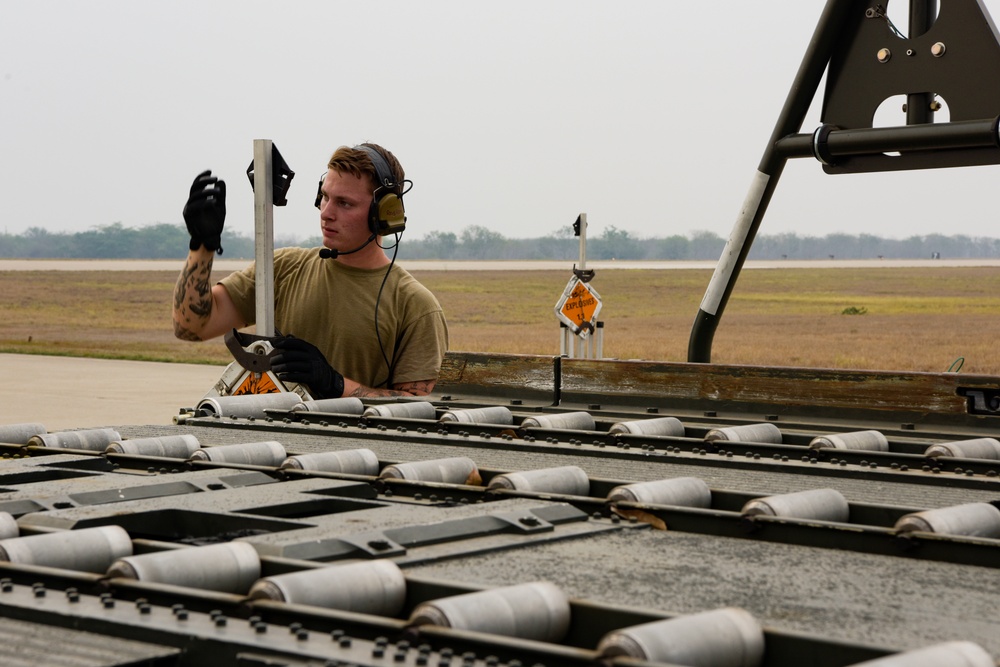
pixel 8 526
pixel 976 448
pixel 266 453
pixel 670 426
pixel 729 637
pixel 19 434
pixel 682 491
pixel 84 550
pixel 94 439
pixel 249 405
pixel 747 433
pixel 567 480
pixel 171 446
pixel 231 567
pixel 947 654
pixel 350 461
pixel 970 520
pixel 496 414
pixel 538 610
pixel 348 405
pixel 368 587
pixel 576 421
pixel 820 504
pixel 455 470
pixel 403 410
pixel 873 441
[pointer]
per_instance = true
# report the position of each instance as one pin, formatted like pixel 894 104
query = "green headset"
pixel 386 214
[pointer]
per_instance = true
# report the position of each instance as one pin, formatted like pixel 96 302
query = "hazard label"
pixel 252 384
pixel 579 306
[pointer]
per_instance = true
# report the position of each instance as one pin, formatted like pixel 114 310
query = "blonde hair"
pixel 357 162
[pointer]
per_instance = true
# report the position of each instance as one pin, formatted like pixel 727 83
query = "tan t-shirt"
pixel 333 307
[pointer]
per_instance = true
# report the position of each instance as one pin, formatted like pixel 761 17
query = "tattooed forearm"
pixel 369 392
pixel 417 388
pixel 184 334
pixel 193 297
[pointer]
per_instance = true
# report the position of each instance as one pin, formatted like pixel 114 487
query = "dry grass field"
pixel 918 319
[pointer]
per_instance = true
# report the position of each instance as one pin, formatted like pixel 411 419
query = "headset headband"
pixel 382 171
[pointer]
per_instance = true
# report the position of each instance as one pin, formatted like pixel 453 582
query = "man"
pixel 357 324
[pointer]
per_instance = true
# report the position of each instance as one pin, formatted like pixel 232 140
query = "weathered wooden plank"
pixel 766 388
pixel 527 377
pixel 820 392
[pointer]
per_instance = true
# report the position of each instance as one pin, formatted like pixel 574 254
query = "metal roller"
pixel 84 550
pixel 403 410
pixel 682 491
pixel 231 567
pixel 8 526
pixel 867 440
pixel 576 421
pixel 350 461
pixel 566 480
pixel 368 587
pixel 169 446
pixel 819 504
pixel 976 448
pixel 348 405
pixel 747 433
pixel 537 610
pixel 496 414
pixel 970 520
pixel 455 470
pixel 19 434
pixel 266 453
pixel 670 426
pixel 94 439
pixel 947 654
pixel 249 405
pixel 729 637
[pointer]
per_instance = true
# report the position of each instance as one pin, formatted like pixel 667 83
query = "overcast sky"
pixel 650 116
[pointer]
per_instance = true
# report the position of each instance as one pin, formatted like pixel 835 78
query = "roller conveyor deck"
pixel 822 588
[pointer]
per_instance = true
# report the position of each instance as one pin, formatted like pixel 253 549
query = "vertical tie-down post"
pixel 263 199
pixel 579 306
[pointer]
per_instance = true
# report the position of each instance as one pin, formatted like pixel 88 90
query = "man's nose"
pixel 326 210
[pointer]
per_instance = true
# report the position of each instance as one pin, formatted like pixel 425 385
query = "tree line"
pixel 170 241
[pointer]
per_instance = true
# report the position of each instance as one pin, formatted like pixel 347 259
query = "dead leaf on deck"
pixel 643 517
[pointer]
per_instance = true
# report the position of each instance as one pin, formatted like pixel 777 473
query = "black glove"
pixel 302 362
pixel 205 212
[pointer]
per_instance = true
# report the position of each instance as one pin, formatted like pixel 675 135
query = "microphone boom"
pixel 330 253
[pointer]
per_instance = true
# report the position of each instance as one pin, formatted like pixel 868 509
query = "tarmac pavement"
pixel 64 393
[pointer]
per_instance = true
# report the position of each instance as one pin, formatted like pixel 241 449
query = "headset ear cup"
pixel 386 215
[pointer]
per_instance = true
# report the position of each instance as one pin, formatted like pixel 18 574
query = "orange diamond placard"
pixel 253 384
pixel 579 306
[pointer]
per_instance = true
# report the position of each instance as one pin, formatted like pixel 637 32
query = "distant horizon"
pixel 477 243
pixel 559 233
pixel 237 264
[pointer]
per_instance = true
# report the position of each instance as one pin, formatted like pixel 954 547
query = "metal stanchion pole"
pixel 263 199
